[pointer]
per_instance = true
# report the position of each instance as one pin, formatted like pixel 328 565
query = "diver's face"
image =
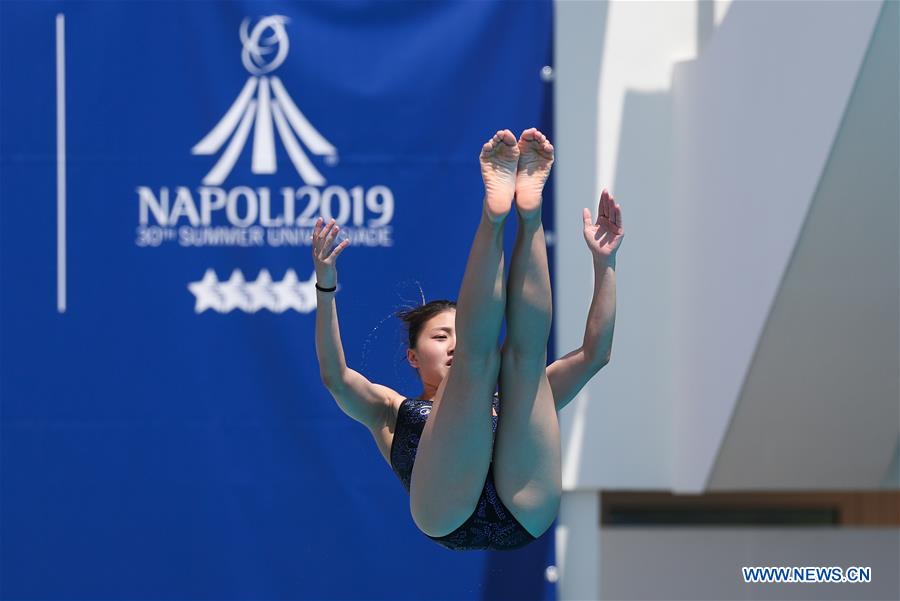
pixel 435 347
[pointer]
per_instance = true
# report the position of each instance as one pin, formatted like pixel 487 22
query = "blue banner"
pixel 165 432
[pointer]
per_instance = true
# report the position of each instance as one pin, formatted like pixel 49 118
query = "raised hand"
pixel 535 160
pixel 324 256
pixel 605 235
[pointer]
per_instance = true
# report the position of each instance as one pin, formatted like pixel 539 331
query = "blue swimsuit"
pixel 492 525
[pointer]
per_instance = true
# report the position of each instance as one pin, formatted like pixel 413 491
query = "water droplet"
pixel 407 379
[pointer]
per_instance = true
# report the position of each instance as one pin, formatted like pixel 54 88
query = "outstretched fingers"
pixel 323 236
pixel 336 251
pixel 586 216
pixel 609 209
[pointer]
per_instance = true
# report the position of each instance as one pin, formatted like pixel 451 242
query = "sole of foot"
pixel 536 155
pixel 499 161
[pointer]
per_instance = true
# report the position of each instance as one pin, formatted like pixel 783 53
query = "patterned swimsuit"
pixel 491 526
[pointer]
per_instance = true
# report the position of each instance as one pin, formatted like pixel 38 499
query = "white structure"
pixel 753 147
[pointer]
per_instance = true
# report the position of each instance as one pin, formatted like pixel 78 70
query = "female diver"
pixel 468 490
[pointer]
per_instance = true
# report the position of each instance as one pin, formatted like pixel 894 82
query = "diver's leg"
pixel 454 451
pixel 527 453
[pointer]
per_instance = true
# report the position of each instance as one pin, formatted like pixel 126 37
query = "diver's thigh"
pixel 527 452
pixel 455 448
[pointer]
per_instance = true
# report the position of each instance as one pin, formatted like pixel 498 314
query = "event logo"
pixel 255 107
pixel 271 210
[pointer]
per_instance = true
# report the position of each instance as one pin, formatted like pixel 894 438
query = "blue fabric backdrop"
pixel 165 433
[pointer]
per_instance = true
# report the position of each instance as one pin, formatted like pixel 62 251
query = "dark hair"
pixel 416 317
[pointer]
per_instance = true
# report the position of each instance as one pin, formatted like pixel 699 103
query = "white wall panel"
pixel 820 407
pixel 613 67
pixel 754 125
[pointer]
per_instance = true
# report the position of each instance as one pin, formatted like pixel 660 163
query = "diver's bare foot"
pixel 499 160
pixel 535 159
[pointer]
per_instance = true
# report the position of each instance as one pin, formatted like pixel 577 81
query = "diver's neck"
pixel 428 393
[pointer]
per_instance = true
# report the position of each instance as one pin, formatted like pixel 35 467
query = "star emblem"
pixel 206 293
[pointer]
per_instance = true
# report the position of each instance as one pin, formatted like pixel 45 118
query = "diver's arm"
pixel 364 401
pixel 603 239
pixel 598 333
pixel 328 336
pixel 359 398
pixel 570 373
pixel 329 349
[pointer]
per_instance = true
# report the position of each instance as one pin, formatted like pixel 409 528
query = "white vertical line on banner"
pixel 60 163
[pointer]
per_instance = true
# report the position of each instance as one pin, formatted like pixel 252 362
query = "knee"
pixel 550 509
pixel 545 524
pixel 422 519
pixel 435 523
pixel 538 513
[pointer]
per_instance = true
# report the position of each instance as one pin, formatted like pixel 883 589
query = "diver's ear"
pixel 411 357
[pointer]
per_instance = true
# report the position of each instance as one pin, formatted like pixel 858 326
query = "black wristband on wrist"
pixel 332 289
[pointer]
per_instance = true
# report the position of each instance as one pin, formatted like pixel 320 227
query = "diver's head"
pixel 431 331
